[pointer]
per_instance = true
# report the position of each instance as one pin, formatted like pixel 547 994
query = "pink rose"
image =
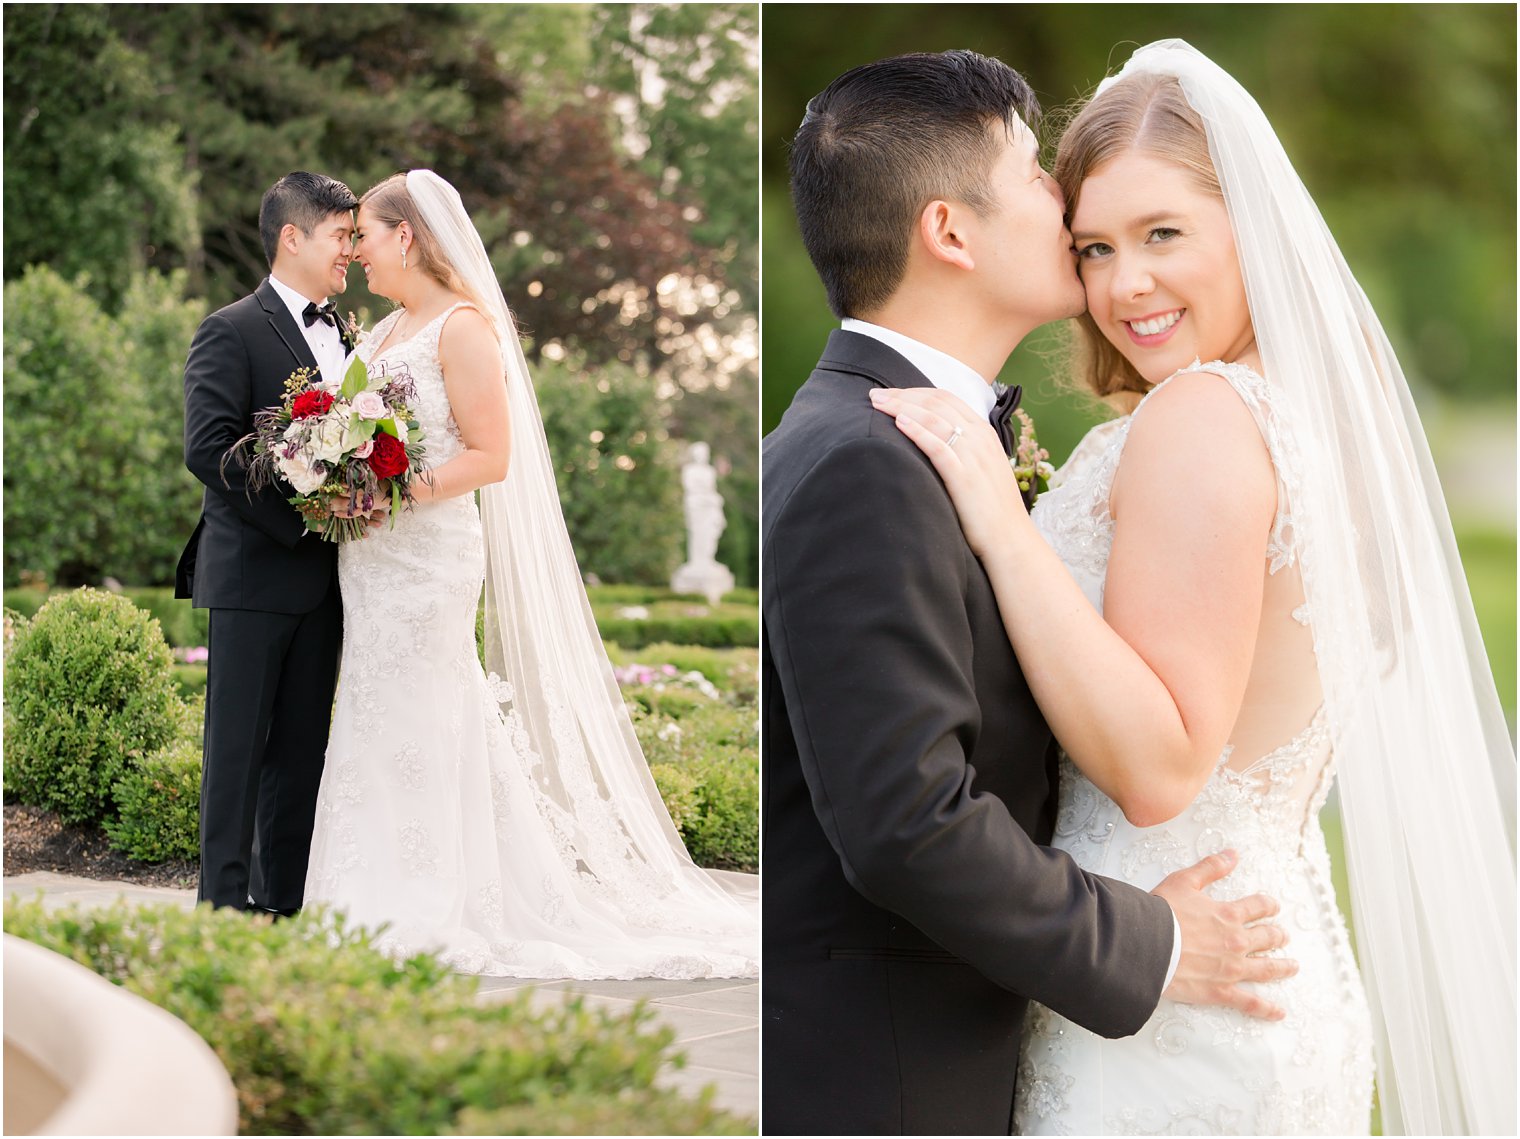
pixel 369 405
pixel 369 444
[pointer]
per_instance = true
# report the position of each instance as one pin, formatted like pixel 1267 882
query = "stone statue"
pixel 704 524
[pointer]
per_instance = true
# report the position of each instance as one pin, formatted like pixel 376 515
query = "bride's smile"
pixel 1159 264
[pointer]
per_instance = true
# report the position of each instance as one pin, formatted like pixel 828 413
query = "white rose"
pixel 331 439
pixel 301 474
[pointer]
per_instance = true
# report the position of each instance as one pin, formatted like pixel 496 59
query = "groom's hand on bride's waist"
pixel 1222 942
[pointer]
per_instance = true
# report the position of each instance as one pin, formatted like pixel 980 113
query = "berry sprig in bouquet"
pixel 361 443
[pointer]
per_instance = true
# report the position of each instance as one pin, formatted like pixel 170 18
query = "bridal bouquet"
pixel 359 442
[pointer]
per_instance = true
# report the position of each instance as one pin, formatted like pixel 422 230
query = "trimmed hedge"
pixel 645 594
pixel 89 692
pixel 324 1035
pixel 190 680
pixel 734 622
pixel 684 621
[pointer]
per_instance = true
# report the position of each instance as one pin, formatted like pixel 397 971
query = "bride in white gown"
pixel 505 820
pixel 1241 590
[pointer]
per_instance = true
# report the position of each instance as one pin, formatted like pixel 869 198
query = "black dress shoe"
pixel 254 908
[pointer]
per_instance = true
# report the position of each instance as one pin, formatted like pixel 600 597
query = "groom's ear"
pixel 940 233
pixel 290 238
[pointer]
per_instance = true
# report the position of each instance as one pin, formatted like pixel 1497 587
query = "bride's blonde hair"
pixel 391 203
pixel 1145 112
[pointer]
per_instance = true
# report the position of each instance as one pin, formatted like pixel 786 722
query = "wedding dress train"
pixel 429 818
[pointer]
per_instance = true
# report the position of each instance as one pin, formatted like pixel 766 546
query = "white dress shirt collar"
pixel 324 340
pixel 294 301
pixel 943 370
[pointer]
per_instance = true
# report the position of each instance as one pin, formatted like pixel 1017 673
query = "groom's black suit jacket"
pixel 276 617
pixel 909 910
pixel 247 552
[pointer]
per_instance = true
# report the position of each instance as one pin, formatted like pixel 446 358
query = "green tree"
pixel 95 482
pixel 617 477
pixel 1400 118
pixel 94 176
pixel 616 245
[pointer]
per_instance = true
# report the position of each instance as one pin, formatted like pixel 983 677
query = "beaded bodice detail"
pixel 416 359
pixel 1193 1069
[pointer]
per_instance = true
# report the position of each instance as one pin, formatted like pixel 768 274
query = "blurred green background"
pixel 1399 118
pixel 606 153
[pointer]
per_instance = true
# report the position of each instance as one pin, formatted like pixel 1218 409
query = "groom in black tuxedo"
pixel 272 588
pixel 910 910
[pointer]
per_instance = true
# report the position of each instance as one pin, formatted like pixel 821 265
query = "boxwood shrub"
pixel 324 1035
pixel 89 691
pixel 158 805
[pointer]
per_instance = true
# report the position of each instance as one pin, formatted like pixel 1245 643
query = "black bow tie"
pixel 1001 415
pixel 315 312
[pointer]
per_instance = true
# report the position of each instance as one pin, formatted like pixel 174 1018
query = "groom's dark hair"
pixel 879 144
pixel 301 199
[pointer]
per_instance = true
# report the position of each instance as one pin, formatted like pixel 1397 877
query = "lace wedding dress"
pixel 1193 1069
pixel 428 819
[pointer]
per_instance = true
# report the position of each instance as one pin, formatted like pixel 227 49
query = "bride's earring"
pixel 403 257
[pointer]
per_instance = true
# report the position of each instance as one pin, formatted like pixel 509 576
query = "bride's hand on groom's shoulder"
pixel 1222 941
pixel 966 452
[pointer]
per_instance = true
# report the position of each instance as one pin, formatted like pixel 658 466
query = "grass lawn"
pixel 1488 557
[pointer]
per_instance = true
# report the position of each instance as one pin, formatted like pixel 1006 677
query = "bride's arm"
pixel 472 374
pixel 1142 697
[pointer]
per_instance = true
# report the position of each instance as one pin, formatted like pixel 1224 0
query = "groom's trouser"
pixel 269 693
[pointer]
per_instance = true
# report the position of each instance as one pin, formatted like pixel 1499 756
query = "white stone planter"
pixel 86 1057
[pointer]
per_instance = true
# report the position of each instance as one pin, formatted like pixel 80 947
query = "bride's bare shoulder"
pixel 1193 438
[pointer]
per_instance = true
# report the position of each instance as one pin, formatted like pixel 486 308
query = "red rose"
pixel 310 404
pixel 388 459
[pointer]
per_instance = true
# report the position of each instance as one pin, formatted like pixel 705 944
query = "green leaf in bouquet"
pixel 392 428
pixel 360 428
pixel 395 501
pixel 356 379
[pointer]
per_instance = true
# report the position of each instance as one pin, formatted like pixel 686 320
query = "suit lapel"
pixel 285 325
pixel 865 356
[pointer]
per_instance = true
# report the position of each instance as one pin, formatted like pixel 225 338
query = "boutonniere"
pixel 1030 461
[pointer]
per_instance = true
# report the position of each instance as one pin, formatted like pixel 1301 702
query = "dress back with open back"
pixel 1194 1069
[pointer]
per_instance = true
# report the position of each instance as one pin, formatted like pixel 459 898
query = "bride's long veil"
pixel 558 695
pixel 1425 763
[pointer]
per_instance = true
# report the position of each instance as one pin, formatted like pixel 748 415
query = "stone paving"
pixel 717 1023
